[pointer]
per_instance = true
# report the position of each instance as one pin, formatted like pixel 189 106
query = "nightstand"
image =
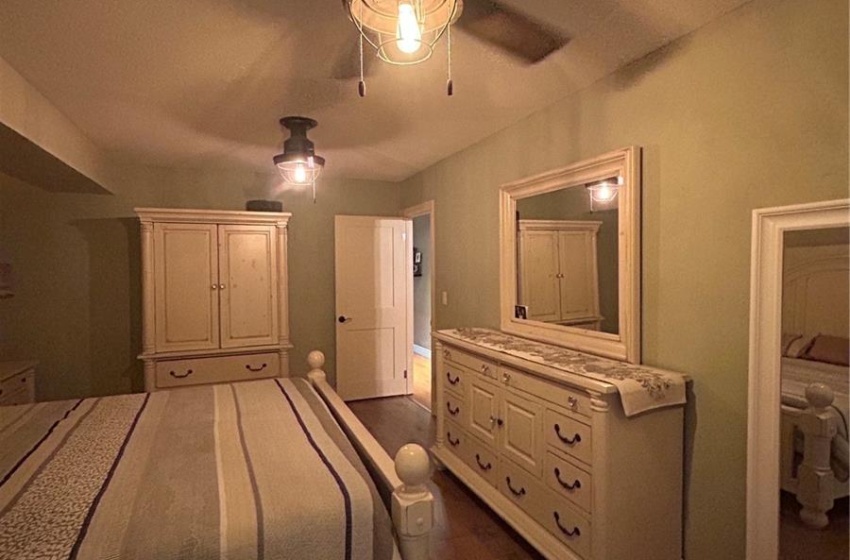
pixel 17 382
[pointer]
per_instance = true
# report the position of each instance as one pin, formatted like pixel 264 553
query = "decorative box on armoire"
pixel 215 305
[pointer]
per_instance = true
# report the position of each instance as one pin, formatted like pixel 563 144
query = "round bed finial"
pixel 413 467
pixel 316 359
pixel 819 395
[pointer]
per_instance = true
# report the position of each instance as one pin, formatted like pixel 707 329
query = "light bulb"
pixel 604 192
pixel 408 34
pixel 300 174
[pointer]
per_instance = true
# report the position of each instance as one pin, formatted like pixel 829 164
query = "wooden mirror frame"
pixel 625 345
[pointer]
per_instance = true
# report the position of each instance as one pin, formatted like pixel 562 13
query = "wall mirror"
pixel 570 256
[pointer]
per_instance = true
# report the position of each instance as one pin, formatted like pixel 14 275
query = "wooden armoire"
pixel 215 304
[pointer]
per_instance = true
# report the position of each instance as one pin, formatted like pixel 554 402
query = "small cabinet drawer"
pixel 568 435
pixel 218 369
pixel 456 439
pixel 455 408
pixel 568 480
pixel 482 460
pixel 474 363
pixel 521 488
pixel 18 389
pixel 454 378
pixel 566 523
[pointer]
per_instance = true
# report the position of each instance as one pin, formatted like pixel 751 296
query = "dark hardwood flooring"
pixel 799 542
pixel 465 528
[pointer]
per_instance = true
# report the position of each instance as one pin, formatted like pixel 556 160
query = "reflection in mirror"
pixel 567 259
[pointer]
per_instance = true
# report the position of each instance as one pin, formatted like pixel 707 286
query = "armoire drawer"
pixel 568 480
pixel 218 369
pixel 18 389
pixel 474 363
pixel 566 523
pixel 482 460
pixel 455 408
pixel 568 435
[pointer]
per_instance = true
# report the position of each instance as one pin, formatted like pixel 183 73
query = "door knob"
pixel 343 319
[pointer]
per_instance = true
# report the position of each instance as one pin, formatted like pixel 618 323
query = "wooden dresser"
pixel 215 302
pixel 17 382
pixel 550 448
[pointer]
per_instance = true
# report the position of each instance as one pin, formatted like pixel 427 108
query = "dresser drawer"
pixel 522 488
pixel 219 369
pixel 454 378
pixel 471 361
pixel 572 402
pixel 568 480
pixel 561 519
pixel 455 439
pixel 568 435
pixel 455 408
pixel 18 389
pixel 481 459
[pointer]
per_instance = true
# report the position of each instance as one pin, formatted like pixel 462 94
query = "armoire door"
pixel 539 284
pixel 186 287
pixel 579 291
pixel 248 285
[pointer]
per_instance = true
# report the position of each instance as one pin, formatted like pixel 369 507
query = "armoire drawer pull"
pixel 574 486
pixel 484 467
pixel 569 441
pixel 453 442
pixel 517 493
pixel 173 373
pixel 575 531
pixel 261 368
pixel 454 381
pixel 453 412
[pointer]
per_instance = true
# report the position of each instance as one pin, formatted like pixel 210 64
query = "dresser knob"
pixel 506 378
pixel 572 402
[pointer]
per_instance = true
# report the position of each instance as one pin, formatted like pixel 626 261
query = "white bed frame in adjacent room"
pixel 407 476
pixel 814 300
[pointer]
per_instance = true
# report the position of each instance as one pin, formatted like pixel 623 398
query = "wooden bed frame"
pixel 814 285
pixel 406 477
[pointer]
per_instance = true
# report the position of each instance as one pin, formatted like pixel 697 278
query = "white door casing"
pixel 374 305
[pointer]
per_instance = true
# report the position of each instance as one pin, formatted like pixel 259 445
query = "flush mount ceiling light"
pixel 604 192
pixel 403 32
pixel 299 164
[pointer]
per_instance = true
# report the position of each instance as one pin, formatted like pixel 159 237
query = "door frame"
pixel 768 230
pixel 427 208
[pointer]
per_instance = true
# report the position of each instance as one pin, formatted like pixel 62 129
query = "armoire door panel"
pixel 248 285
pixel 578 275
pixel 186 287
pixel 540 277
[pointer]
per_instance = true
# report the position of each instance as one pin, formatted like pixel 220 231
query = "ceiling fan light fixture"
pixel 298 164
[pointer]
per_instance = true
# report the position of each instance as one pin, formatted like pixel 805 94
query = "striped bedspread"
pixel 239 471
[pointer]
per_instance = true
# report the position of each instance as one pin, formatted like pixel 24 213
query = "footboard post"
pixel 413 503
pixel 816 479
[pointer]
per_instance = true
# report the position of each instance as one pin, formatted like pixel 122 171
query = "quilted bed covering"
pixel 246 470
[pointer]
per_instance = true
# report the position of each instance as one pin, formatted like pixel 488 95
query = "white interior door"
pixel 374 305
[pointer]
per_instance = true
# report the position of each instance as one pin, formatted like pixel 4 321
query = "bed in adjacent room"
pixel 256 469
pixel 815 378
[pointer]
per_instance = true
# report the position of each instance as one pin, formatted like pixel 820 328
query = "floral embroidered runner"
pixel 641 388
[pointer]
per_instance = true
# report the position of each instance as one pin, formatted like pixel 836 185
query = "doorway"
pixel 422 271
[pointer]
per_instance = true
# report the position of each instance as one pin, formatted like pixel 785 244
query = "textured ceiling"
pixel 204 82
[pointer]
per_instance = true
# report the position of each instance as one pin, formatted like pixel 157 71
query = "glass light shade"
pixel 299 170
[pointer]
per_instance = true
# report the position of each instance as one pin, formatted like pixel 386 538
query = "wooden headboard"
pixel 816 290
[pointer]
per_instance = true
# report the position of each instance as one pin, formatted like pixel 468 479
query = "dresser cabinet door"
pixel 248 285
pixel 186 287
pixel 483 410
pixel 522 431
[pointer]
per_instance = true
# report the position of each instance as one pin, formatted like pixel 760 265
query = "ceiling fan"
pixel 490 21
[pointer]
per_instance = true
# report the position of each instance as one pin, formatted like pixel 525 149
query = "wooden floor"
pixel 799 542
pixel 465 527
pixel 422 381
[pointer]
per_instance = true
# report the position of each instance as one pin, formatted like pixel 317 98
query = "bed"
pixel 274 468
pixel 815 373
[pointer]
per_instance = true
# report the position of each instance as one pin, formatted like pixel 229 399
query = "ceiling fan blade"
pixel 510 30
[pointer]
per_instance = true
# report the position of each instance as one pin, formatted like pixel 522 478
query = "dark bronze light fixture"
pixel 299 164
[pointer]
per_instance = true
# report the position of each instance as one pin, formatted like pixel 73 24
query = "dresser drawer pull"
pixel 572 402
pixel 261 368
pixel 574 533
pixel 485 369
pixel 173 373
pixel 453 412
pixel 517 493
pixel 453 442
pixel 454 381
pixel 447 354
pixel 484 467
pixel 569 441
pixel 574 486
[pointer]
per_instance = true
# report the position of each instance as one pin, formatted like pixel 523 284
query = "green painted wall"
pixel 77 264
pixel 750 111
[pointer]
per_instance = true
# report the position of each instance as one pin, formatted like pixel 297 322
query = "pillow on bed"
pixel 787 339
pixel 829 349
pixel 798 346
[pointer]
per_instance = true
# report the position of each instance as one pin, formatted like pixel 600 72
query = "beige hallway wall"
pixel 748 112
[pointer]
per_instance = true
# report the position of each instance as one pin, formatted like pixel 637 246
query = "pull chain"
pixel 449 84
pixel 361 86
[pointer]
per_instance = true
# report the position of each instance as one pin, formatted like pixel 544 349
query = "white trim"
pixel 625 345
pixel 769 227
pixel 422 351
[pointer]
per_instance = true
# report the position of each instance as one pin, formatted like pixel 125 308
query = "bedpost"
pixel 816 479
pixel 316 360
pixel 413 503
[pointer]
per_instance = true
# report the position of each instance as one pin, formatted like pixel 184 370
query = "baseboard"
pixel 422 351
